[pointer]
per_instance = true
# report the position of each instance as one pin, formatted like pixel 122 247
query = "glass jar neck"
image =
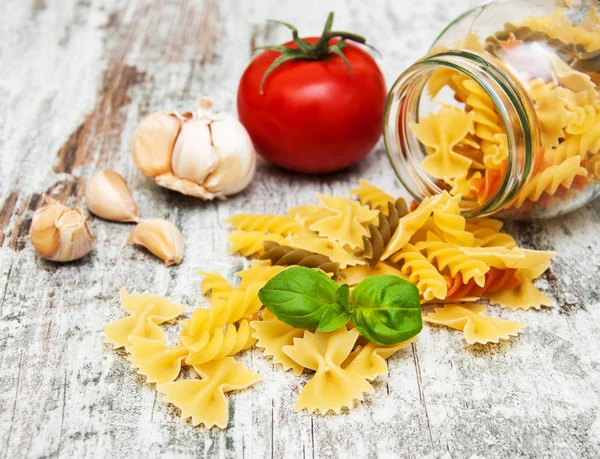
pixel 513 105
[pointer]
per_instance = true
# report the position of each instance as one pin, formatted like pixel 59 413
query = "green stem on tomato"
pixel 309 52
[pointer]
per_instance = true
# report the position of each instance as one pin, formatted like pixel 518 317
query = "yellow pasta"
pixel 411 223
pixel 550 180
pixel 250 243
pixel 156 361
pixel 272 335
pixel 214 283
pixel 276 224
pixel 370 359
pixel 355 274
pixel 448 219
pixel 347 223
pixel 146 312
pixel 370 195
pixel 442 132
pixel 204 400
pixel 218 344
pixel 448 256
pixel 476 327
pixel 334 251
pixel 421 272
pixel 332 387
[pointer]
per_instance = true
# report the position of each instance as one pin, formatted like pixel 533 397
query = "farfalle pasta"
pixel 450 260
pixel 331 387
pixel 476 327
pixel 203 400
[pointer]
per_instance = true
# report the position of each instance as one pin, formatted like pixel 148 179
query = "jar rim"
pixel 509 97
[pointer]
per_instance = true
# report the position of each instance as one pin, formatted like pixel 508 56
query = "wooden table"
pixel 76 78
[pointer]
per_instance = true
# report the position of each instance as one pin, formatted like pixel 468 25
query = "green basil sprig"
pixel 385 309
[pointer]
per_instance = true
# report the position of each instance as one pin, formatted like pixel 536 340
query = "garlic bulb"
pixel 108 197
pixel 203 154
pixel 59 233
pixel 160 237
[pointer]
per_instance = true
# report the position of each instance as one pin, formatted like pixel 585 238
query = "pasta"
pixel 345 225
pixel 447 256
pixel 214 283
pixel 156 361
pixel 412 222
pixel 370 359
pixel 204 400
pixel 249 243
pixel 276 224
pixel 370 195
pixel 272 336
pixel 547 55
pixel 442 132
pixel 218 344
pixel 355 274
pixel 476 327
pixel 449 259
pixel 452 224
pixel 280 255
pixel 422 273
pixel 332 387
pixel 334 251
pixel 550 179
pixel 380 235
pixel 495 280
pixel 146 312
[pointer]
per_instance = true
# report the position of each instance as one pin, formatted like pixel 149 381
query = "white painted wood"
pixel 63 393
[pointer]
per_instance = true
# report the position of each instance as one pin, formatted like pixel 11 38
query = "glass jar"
pixel 504 110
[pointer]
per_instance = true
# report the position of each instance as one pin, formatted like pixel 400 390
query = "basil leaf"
pixel 387 309
pixel 299 296
pixel 336 316
pixel 343 297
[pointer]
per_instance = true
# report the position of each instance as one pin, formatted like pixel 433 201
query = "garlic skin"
pixel 108 197
pixel 59 233
pixel 160 237
pixel 207 155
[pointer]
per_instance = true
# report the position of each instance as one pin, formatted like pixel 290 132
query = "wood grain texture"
pixel 77 78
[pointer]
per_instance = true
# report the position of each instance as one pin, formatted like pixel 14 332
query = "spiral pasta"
pixel 276 224
pixel 421 272
pixel 448 219
pixel 280 255
pixel 447 256
pixel 550 180
pixel 380 235
pixel 218 344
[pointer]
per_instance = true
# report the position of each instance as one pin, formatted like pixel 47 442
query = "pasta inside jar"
pixel 507 117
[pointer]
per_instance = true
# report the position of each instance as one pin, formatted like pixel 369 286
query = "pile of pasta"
pixel 453 262
pixel 467 147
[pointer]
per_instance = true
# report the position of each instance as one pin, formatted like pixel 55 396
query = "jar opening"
pixel 494 92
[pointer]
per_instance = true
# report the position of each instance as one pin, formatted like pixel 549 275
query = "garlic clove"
pixel 194 156
pixel 160 237
pixel 237 157
pixel 59 233
pixel 108 197
pixel 153 142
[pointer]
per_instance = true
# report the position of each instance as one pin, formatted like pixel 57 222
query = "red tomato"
pixel 313 116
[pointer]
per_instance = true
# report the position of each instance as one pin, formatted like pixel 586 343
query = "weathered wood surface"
pixel 76 76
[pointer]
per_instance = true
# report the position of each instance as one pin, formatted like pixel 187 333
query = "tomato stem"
pixel 309 52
